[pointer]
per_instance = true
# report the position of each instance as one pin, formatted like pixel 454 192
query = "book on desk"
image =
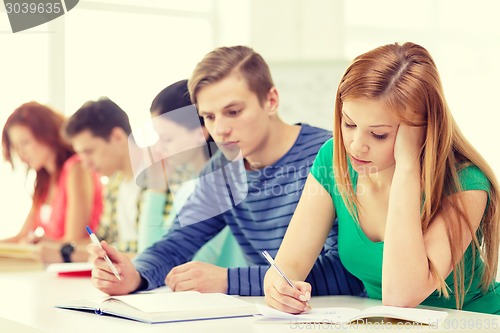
pixel 167 307
pixel 342 315
pixel 71 269
pixel 19 257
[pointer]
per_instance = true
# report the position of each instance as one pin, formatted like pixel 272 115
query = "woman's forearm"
pixel 405 272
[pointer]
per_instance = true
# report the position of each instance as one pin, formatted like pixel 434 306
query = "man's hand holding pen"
pixel 103 277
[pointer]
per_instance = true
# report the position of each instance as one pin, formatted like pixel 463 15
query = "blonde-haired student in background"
pixel 417 205
pixel 66 197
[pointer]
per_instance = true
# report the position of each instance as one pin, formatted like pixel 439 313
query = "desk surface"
pixel 28 298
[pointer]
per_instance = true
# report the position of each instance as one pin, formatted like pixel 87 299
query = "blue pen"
pixel 94 240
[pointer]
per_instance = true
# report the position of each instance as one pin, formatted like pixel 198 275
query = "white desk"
pixel 27 305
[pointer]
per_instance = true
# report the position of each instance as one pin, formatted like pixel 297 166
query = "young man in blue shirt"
pixel 234 93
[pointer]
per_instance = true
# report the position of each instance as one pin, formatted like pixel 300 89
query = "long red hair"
pixel 406 79
pixel 46 125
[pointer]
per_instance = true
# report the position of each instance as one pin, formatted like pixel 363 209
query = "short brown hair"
pixel 223 61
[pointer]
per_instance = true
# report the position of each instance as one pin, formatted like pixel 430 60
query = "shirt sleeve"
pixel 151 218
pixel 246 281
pixel 322 168
pixel 472 178
pixel 177 247
pixel 108 229
pixel 328 276
pixel 199 220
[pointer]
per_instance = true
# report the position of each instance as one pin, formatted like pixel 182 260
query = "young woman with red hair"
pixel 416 204
pixel 66 197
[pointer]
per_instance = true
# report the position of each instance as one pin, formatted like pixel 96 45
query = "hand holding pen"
pixel 115 275
pixel 302 297
pixel 94 240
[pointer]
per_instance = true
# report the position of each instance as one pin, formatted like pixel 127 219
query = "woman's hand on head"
pixel 408 145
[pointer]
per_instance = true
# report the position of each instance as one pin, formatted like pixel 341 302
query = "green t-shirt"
pixel 363 257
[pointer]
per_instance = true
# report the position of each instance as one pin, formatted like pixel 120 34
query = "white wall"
pixel 309 43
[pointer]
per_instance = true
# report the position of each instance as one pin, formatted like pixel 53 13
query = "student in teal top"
pixel 416 204
pixel 180 128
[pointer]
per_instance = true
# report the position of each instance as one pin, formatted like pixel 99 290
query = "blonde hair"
pixel 405 78
pixel 223 61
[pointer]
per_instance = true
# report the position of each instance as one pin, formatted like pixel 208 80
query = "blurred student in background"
pixel 184 146
pixel 99 132
pixel 66 196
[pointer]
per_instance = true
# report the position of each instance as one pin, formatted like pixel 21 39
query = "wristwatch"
pixel 66 250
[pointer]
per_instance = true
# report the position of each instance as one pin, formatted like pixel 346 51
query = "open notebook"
pixel 338 315
pixel 166 307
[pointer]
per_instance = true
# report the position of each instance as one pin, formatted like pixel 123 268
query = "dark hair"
pixel 99 117
pixel 45 124
pixel 174 97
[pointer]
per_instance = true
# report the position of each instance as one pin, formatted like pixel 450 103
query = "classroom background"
pixel 129 50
